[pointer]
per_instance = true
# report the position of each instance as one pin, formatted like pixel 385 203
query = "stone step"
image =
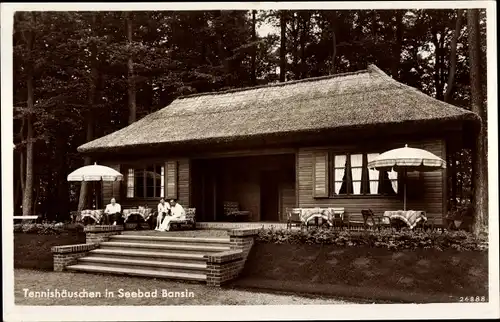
pixel 138 272
pixel 171 239
pixel 147 264
pixel 148 255
pixel 202 249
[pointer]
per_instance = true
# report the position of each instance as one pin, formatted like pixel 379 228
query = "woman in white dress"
pixel 177 213
pixel 163 210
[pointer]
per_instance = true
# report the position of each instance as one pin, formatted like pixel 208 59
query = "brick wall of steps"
pixel 153 256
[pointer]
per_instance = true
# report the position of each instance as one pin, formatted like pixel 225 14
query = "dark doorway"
pixel 269 195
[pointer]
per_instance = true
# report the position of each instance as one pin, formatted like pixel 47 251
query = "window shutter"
pixel 171 179
pixel 320 175
pixel 130 183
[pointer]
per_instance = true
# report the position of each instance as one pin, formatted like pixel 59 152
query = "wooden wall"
pixel 425 190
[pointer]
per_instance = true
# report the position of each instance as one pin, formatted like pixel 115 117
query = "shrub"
pixel 396 240
pixel 40 229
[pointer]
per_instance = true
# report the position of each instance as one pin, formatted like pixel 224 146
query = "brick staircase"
pixel 183 258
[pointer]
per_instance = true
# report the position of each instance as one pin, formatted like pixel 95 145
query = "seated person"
pixel 113 211
pixel 163 211
pixel 177 213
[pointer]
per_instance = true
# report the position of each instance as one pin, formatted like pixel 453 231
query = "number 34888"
pixel 471 299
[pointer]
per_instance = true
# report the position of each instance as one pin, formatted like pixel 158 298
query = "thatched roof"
pixel 342 101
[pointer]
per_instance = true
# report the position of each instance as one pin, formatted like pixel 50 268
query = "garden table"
pixel 410 217
pixel 95 214
pixel 145 213
pixel 307 214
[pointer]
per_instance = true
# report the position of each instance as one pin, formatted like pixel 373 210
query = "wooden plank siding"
pixel 111 189
pixel 425 190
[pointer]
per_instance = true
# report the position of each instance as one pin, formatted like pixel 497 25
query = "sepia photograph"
pixel 252 160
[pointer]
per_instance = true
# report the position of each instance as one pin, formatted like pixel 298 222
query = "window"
pixel 148 182
pixel 350 176
pixel 340 174
pixel 356 173
pixel 373 176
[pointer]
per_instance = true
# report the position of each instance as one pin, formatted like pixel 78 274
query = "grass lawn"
pixel 34 251
pixel 374 274
pixel 36 280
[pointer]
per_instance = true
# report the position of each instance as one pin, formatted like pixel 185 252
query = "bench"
pixel 189 220
pixel 25 217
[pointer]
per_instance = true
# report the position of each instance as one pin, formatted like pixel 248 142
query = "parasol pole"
pixel 404 190
pixel 404 198
pixel 100 192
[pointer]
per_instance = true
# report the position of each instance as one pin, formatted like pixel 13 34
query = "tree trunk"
pixel 333 23
pixel 21 173
pixel 62 187
pixel 398 38
pixel 37 195
pixel 438 86
pixel 28 187
pixel 282 46
pixel 453 175
pixel 303 41
pixel 295 43
pixel 18 193
pixel 453 57
pixel 131 81
pixel 84 199
pixel 479 162
pixel 253 78
pixel 334 40
pixel 21 156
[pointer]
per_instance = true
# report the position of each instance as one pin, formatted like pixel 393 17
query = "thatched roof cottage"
pixel 293 144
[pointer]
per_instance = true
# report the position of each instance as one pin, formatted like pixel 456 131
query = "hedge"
pixel 387 238
pixel 47 229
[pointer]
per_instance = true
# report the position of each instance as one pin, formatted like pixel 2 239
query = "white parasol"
pixel 95 172
pixel 406 160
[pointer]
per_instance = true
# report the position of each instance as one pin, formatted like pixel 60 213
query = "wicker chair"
pixel 337 217
pixel 233 213
pixel 293 218
pixel 368 219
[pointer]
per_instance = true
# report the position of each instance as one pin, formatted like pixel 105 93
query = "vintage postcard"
pixel 249 161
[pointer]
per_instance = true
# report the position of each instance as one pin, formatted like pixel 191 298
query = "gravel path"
pixel 194 294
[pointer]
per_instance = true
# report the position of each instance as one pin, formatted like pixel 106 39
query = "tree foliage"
pixel 81 63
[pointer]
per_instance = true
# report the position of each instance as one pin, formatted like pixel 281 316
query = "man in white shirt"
pixel 177 212
pixel 113 211
pixel 163 211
